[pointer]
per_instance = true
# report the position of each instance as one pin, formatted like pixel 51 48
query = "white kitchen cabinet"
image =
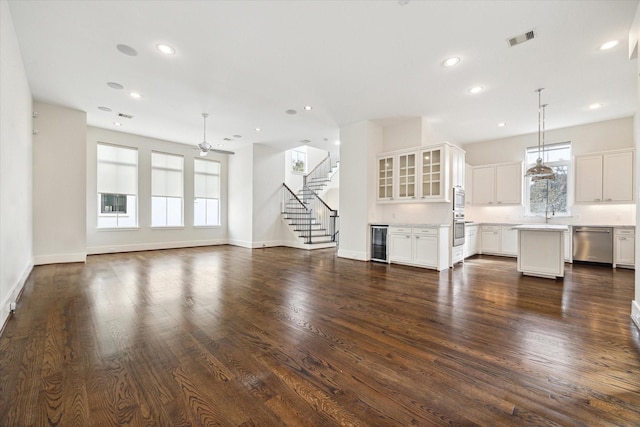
pixel 625 247
pixel 490 239
pixel 422 174
pixel 458 170
pixel 385 178
pixel 425 247
pixel 605 177
pixel 400 244
pixel 508 240
pixel 568 246
pixel 483 183
pixel 497 184
pixel 407 176
pixel 434 173
pixel 509 184
pixel 470 240
pixel 419 246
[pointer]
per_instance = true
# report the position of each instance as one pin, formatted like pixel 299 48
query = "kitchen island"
pixel 541 250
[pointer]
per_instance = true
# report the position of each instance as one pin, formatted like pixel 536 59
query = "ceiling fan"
pixel 204 146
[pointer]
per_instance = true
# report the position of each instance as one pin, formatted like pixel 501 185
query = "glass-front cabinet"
pixel 432 173
pixel 407 176
pixel 420 174
pixel 385 178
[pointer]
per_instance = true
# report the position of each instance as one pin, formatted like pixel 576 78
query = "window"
pixel 166 190
pixel 549 197
pixel 206 177
pixel 298 161
pixel 117 184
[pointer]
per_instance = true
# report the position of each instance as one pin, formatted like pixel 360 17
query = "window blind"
pixel 206 179
pixel 166 175
pixel 117 171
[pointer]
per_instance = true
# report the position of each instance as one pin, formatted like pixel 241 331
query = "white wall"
pixel 359 144
pixel 405 134
pixel 16 228
pixel 145 237
pixel 634 47
pixel 59 184
pixel 589 138
pixel 268 225
pixel 241 197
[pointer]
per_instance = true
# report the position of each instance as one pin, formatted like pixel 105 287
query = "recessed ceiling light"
pixel 127 50
pixel 337 142
pixel 117 123
pixel 114 85
pixel 220 145
pixel 502 124
pixel 107 109
pixel 476 89
pixel 291 112
pixel 135 95
pixel 595 106
pixel 237 136
pixel 609 45
pixel 165 48
pixel 308 107
pixel 258 129
pixel 450 62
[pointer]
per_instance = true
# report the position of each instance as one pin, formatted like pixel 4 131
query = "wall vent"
pixel 126 116
pixel 519 39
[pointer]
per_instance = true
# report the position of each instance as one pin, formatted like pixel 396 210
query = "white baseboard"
pixel 59 258
pixel 360 256
pixel 635 313
pixel 13 295
pixel 95 250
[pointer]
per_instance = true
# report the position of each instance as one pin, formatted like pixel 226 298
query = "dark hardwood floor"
pixel 235 337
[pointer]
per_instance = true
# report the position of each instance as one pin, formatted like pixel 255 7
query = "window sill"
pixel 117 228
pixel 168 227
pixel 206 226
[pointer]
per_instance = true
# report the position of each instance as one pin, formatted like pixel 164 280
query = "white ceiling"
pixel 246 62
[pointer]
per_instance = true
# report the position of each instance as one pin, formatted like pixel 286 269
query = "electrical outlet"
pixel 12 307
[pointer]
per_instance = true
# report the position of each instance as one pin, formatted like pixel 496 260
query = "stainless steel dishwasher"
pixel 593 244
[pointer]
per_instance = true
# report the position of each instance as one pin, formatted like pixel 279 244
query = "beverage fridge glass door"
pixel 379 243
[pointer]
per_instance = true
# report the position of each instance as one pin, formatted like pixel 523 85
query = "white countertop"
pixel 541 227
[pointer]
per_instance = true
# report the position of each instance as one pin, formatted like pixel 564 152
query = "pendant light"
pixel 540 170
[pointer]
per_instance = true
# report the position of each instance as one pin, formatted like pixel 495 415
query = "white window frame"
pixel 203 194
pixel 532 153
pixel 162 190
pixel 298 156
pixel 128 189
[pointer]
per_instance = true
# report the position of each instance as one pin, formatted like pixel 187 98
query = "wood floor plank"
pixel 237 337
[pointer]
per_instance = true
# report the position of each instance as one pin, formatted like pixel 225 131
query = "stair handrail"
pixel 322 201
pixel 295 196
pixel 304 205
pixel 318 170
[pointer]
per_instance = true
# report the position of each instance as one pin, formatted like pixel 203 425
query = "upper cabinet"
pixel 385 178
pixel 407 176
pixel 497 184
pixel 421 174
pixel 605 177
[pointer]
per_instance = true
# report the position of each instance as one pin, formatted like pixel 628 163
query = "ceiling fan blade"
pixel 222 151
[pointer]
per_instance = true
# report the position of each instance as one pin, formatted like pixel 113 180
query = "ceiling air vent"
pixel 126 116
pixel 513 41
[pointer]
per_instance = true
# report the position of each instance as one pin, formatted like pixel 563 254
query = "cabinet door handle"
pixel 408 237
pixel 417 237
pixel 597 200
pixel 608 200
pixel 622 238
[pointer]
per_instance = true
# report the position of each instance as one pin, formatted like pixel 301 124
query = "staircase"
pixel 314 222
